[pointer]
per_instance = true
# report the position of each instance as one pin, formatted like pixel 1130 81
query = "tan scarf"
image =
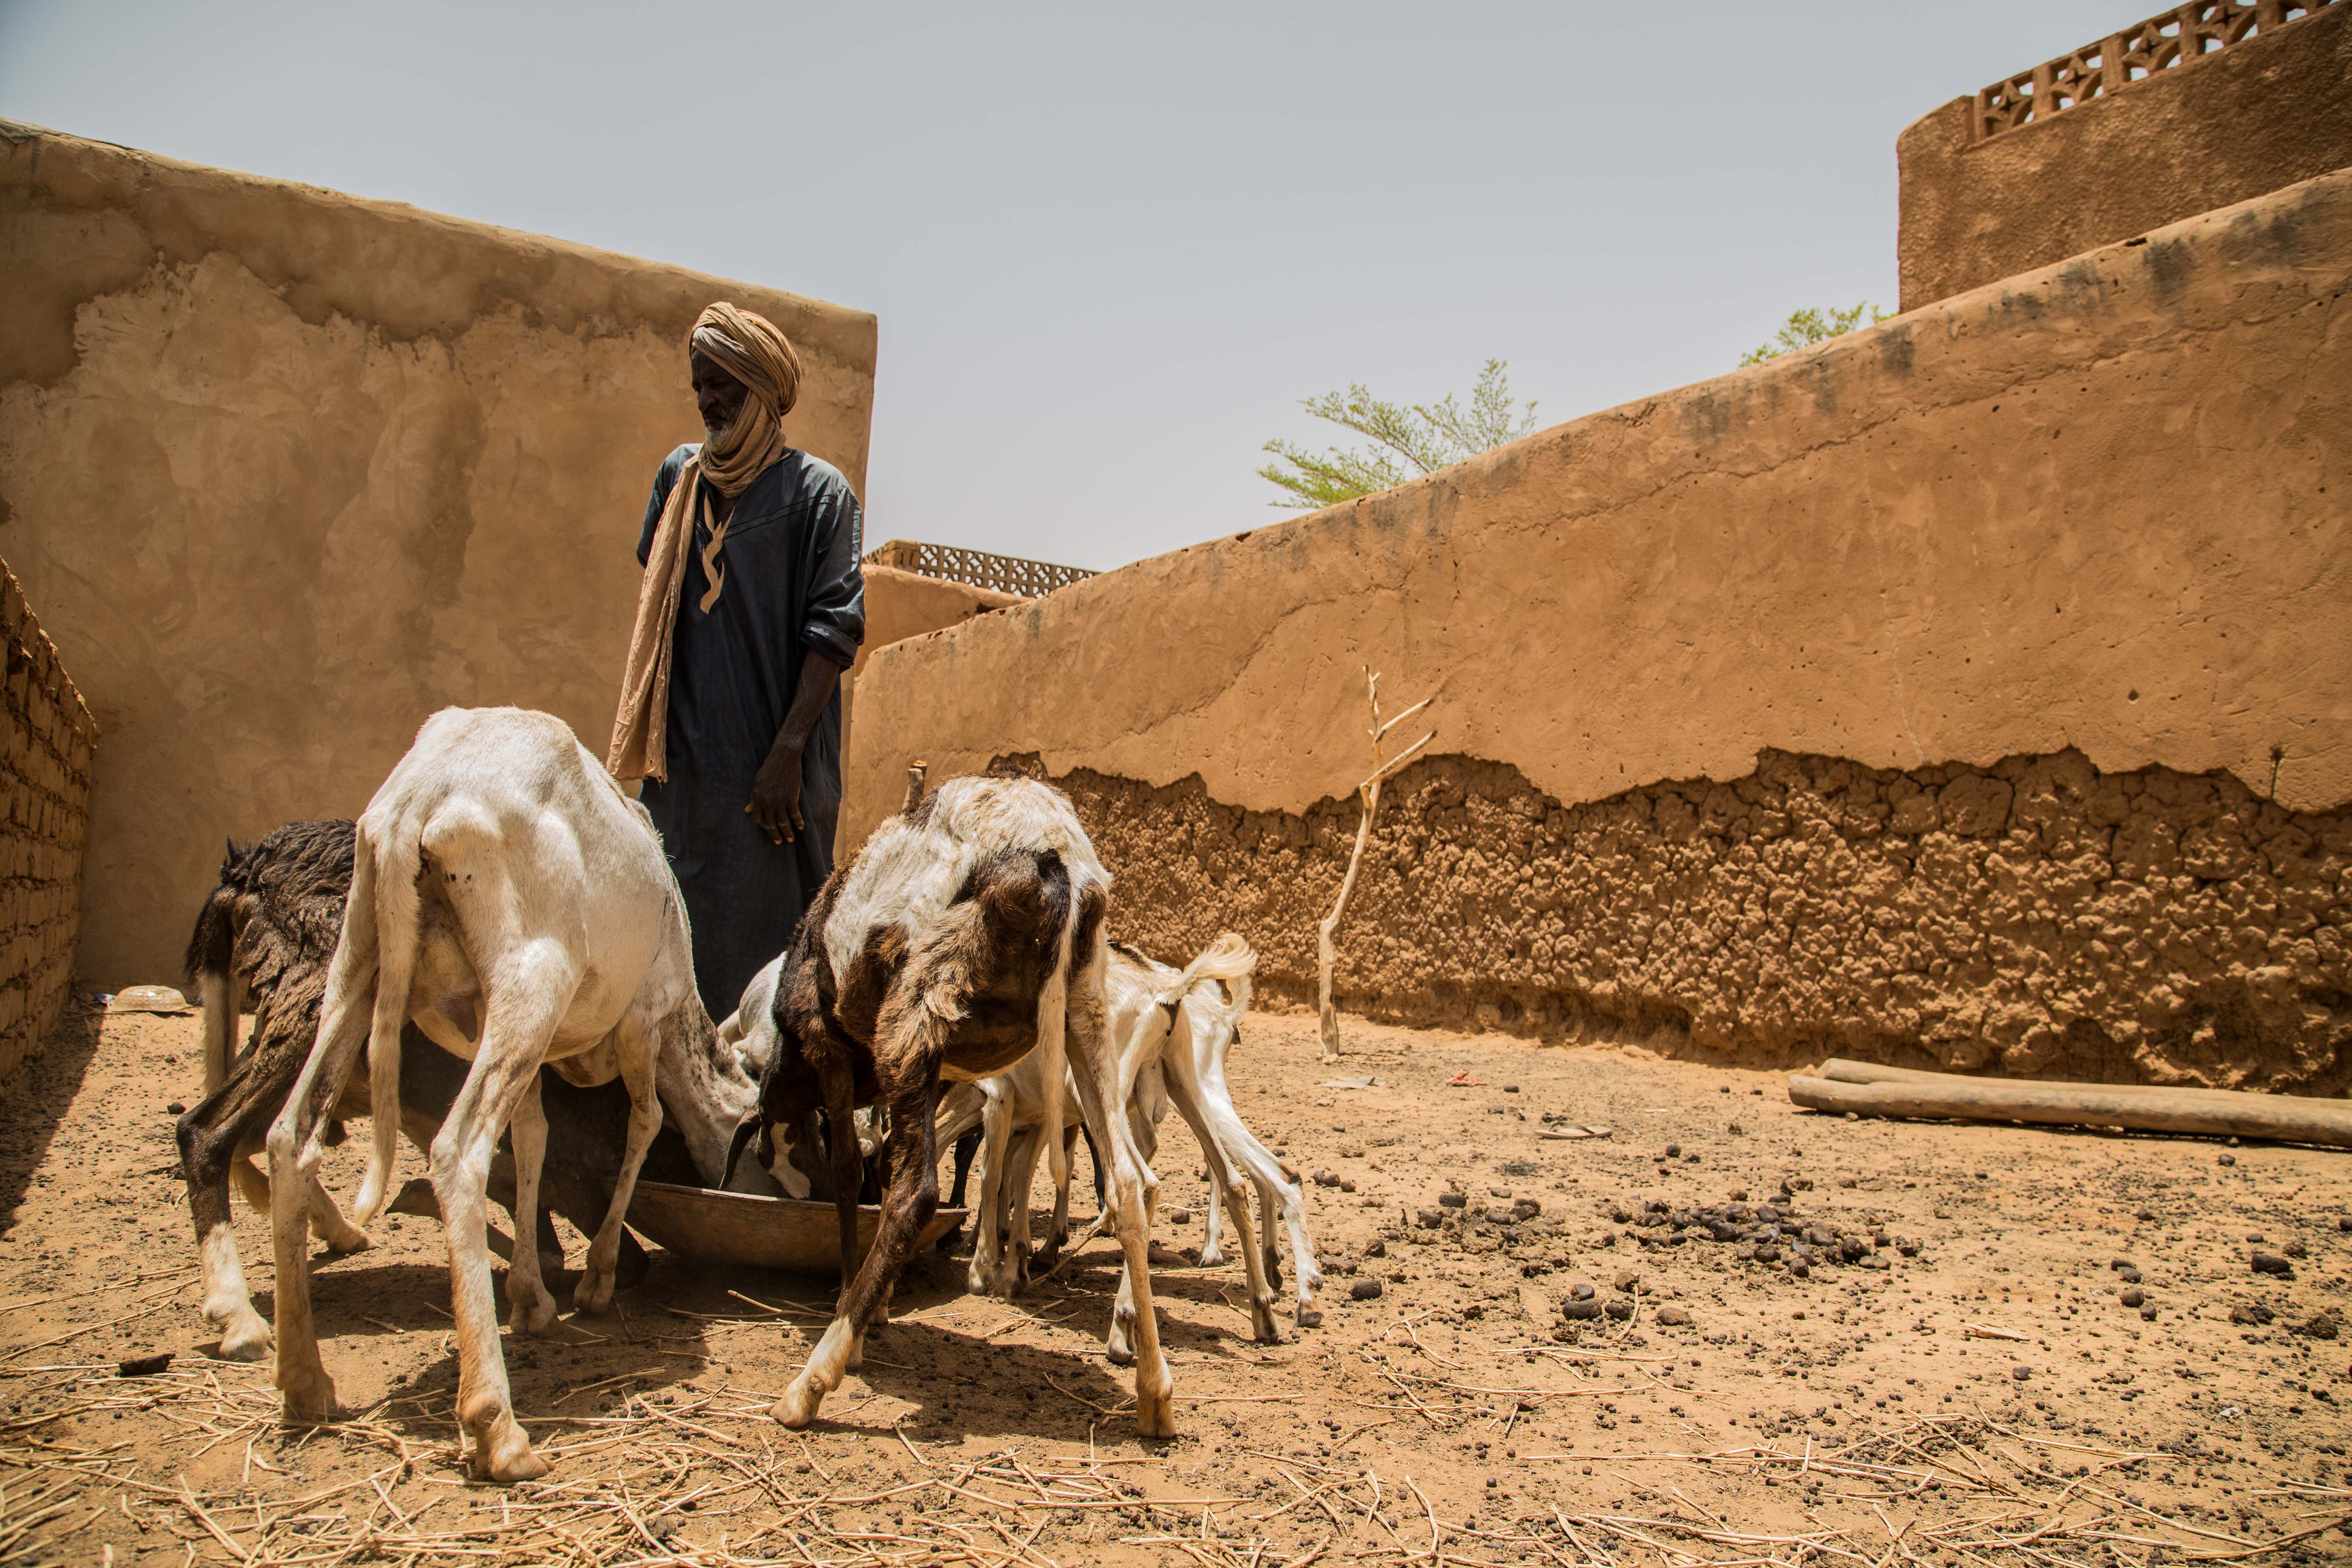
pixel 752 350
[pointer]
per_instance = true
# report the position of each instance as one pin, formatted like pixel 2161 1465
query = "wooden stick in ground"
pixel 1369 793
pixel 2080 1105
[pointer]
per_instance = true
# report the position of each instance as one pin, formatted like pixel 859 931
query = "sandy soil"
pixel 1938 1409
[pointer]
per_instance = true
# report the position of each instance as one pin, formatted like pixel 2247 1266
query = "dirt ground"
pixel 1977 1391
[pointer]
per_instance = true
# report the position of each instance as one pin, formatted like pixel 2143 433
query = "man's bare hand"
pixel 775 802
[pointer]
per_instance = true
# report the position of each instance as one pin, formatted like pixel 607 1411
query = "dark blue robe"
pixel 792 584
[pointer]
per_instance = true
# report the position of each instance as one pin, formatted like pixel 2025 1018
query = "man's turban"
pixel 752 350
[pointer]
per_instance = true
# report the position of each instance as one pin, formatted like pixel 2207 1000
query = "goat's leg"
pixel 1213 1250
pixel 1022 1172
pixel 843 1160
pixel 911 1039
pixel 637 1043
pixel 327 1222
pixel 532 1308
pixel 1186 1094
pixel 294 1150
pixel 501 1448
pixel 966 1146
pixel 212 1140
pixel 988 1244
pixel 1058 1236
pixel 1279 1196
pixel 1118 1345
pixel 1104 1082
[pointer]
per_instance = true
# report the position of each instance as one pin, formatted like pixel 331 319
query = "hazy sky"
pixel 1111 248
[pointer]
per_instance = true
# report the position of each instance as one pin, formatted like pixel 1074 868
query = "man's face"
pixel 718 394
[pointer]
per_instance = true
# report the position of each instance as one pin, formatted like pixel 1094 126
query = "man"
pixel 751 607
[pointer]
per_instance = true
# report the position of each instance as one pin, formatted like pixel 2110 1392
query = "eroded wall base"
pixel 2036 918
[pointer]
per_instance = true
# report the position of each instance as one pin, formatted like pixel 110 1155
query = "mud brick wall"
pixel 2037 918
pixel 47 739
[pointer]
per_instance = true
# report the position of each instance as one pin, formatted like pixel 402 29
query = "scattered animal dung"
pixel 2252 1314
pixel 1365 1291
pixel 2134 1298
pixel 2272 1263
pixel 1452 1200
pixel 1180 1217
pixel 1675 1317
pixel 2020 1372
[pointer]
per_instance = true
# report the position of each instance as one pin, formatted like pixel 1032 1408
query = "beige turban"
pixel 752 350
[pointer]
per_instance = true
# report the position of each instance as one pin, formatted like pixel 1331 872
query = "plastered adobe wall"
pixel 287 471
pixel 901 605
pixel 2090 521
pixel 2260 114
pixel 47 737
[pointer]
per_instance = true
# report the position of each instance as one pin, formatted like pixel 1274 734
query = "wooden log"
pixel 1837 1069
pixel 2284 1118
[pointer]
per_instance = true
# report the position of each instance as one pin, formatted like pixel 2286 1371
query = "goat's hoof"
pixel 798 1407
pixel 593 1294
pixel 1156 1416
pixel 504 1454
pixel 312 1400
pixel 1211 1257
pixel 1263 1328
pixel 531 1317
pixel 345 1243
pixel 1308 1316
pixel 244 1337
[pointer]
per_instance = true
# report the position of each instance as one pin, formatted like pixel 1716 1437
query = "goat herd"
pixel 502 903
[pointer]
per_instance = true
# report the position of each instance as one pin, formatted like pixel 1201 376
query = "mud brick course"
pixel 47 739
pixel 2038 917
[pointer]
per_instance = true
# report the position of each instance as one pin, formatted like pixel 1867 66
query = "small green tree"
pixel 1407 441
pixel 1806 328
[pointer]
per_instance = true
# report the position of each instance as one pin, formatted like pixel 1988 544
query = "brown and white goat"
pixel 967 933
pixel 266 935
pixel 514 903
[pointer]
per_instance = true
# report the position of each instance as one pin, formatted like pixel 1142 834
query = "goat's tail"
pixel 212 965
pixel 389 857
pixel 1229 959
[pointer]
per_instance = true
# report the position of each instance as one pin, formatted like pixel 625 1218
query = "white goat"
pixel 514 903
pixel 1172 1027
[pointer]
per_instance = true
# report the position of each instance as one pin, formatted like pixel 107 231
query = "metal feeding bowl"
pixel 766 1232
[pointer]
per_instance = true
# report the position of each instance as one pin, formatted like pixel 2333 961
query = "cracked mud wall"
pixel 2089 522
pixel 287 471
pixel 2036 918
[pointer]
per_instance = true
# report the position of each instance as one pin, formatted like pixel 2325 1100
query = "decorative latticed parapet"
pixel 977 568
pixel 2169 38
